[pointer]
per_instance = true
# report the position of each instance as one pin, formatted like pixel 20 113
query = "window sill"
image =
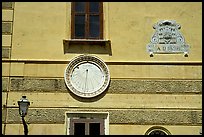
pixel 87 42
pixel 92 46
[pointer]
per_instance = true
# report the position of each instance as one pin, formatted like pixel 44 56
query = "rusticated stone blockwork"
pixel 7 5
pixel 144 86
pixel 155 117
pixel 3 115
pixel 5 53
pixel 38 85
pixel 6 28
pixel 38 116
pixel 116 86
pixel 134 116
pixel 5 84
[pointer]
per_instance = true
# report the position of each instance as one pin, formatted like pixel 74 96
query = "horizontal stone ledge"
pixel 52 61
pixel 117 116
pixel 116 86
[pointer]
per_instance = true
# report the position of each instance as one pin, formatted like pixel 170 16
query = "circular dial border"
pixel 80 60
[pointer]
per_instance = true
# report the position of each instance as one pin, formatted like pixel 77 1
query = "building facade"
pixel 148 57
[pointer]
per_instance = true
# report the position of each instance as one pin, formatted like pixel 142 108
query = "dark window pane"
pixel 80 26
pixel 94 7
pixel 79 6
pixel 94 129
pixel 94 27
pixel 157 132
pixel 79 128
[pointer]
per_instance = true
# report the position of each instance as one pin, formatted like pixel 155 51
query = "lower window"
pixel 87 124
pixel 83 126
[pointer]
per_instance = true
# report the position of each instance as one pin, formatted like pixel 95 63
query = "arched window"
pixel 157 130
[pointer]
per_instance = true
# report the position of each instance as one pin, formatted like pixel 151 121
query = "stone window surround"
pixel 104 115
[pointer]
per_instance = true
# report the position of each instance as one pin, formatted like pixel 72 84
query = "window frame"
pixel 73 114
pixel 87 122
pixel 87 14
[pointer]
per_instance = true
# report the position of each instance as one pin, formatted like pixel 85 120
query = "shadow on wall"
pixel 87 47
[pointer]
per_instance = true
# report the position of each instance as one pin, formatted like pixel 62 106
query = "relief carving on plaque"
pixel 167 39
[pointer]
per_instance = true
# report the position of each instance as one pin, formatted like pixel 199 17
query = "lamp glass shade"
pixel 23 106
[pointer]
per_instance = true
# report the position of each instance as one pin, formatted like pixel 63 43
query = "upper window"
pixel 87 20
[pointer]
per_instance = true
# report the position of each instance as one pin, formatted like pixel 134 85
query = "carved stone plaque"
pixel 167 39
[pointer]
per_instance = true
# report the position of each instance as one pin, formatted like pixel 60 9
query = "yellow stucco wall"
pixel 37 52
pixel 127 25
pixel 58 129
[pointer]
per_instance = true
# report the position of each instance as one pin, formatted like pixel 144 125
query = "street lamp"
pixel 23 104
